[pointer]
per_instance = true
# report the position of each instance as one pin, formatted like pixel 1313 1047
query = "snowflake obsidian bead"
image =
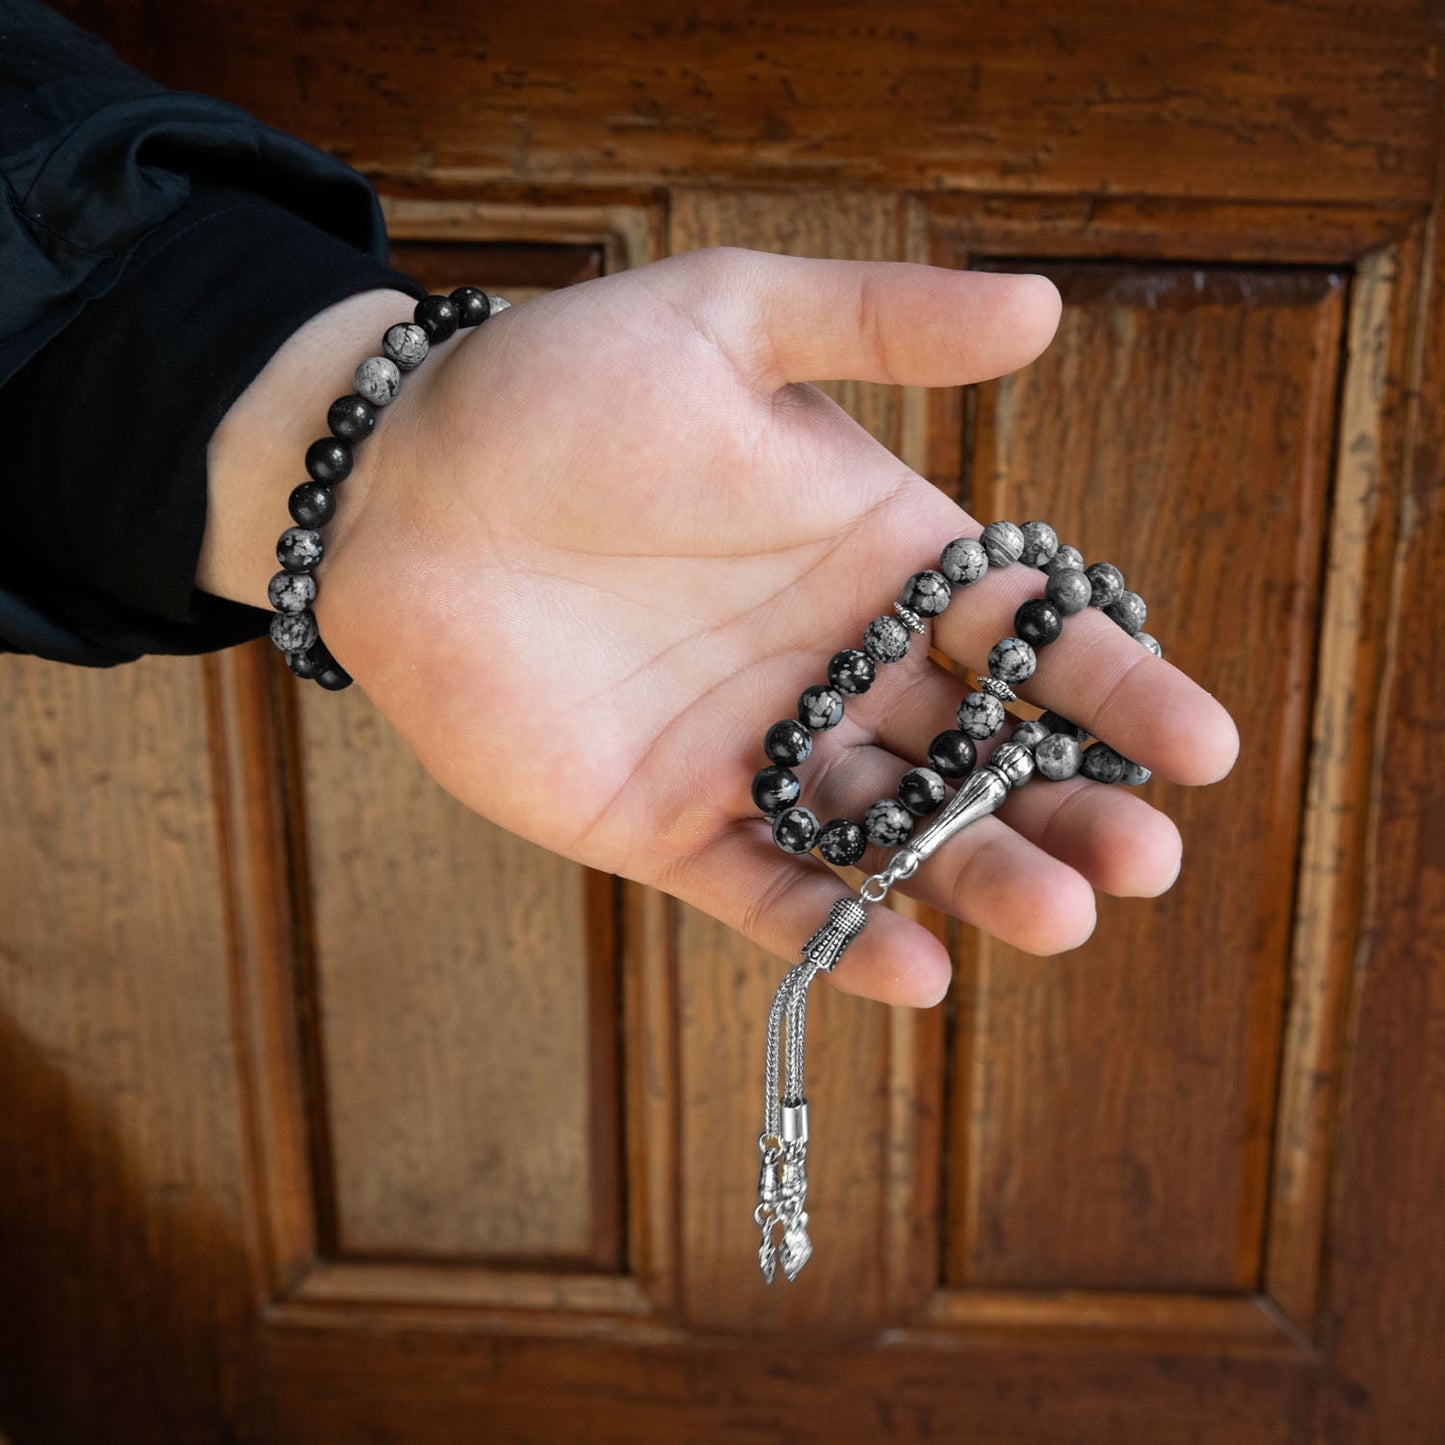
pixel 842 842
pixel 888 823
pixel 921 791
pixel 1029 734
pixel 293 631
pixel 885 639
pixel 963 561
pixel 820 707
pixel 788 742
pixel 775 788
pixel 980 715
pixel 926 593
pixel 299 549
pixel 406 344
pixel 292 592
pixel 795 830
pixel 1144 639
pixel 378 380
pixel 851 671
pixel 1012 660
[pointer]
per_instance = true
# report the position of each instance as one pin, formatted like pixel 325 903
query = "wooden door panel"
pixel 359 1120
pixel 1110 1123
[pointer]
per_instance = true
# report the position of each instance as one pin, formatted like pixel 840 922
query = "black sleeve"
pixel 156 249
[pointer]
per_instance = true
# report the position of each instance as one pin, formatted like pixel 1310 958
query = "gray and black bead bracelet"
pixel 329 461
pixel 1056 745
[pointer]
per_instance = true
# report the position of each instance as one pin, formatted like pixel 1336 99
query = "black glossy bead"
pixel 842 842
pixel 926 593
pixel 1038 622
pixel 820 707
pixel 795 830
pixel 1129 611
pixel 775 788
pixel 788 742
pixel 952 753
pixel 1107 582
pixel 1057 724
pixel 1103 764
pixel 312 504
pixel 851 671
pixel 438 316
pixel 299 549
pixel 351 418
pixel 329 460
pixel 334 678
pixel 472 307
pixel 921 791
pixel 311 663
pixel 885 639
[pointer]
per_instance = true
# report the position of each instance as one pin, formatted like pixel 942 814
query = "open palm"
pixel 628 534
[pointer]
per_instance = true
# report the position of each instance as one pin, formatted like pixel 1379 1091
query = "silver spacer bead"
pixel 1012 762
pixel 1001 690
pixel 911 620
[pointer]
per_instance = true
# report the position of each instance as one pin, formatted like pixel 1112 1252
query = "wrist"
pixel 256 455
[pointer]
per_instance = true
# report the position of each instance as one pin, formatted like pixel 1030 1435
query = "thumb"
pixel 787 318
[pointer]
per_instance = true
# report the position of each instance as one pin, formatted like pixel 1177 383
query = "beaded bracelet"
pixel 329 461
pixel 1049 746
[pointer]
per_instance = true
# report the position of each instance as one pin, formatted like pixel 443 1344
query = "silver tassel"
pixel 783 1175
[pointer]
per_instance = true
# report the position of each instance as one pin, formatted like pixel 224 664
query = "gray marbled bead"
pixel 1029 734
pixel 1129 611
pixel 377 380
pixel 1069 590
pixel 299 549
pixel 964 561
pixel 887 823
pixel 293 631
pixel 1145 639
pixel 922 791
pixel 885 639
pixel 1058 757
pixel 1004 543
pixel 820 707
pixel 1012 660
pixel 1040 543
pixel 406 344
pixel 980 716
pixel 1107 581
pixel 1065 559
pixel 926 593
pixel 1103 764
pixel 1135 774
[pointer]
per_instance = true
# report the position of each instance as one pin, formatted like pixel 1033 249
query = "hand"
pixel 600 543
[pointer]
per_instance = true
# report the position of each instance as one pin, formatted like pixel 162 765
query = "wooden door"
pixel 335 1114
